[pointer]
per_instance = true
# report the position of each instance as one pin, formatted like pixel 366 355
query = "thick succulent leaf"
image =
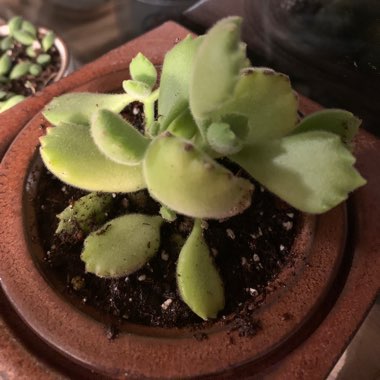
pixel 184 125
pixel 70 153
pixel 14 24
pixel 199 282
pixel 11 102
pixel 175 76
pixel 118 139
pixel 216 68
pixel 177 109
pixel 143 70
pixel 86 213
pixel 266 98
pixel 122 246
pixel 78 108
pixel 136 89
pixel 340 122
pixel 167 214
pixel 189 182
pixel 312 171
pixel 243 47
pixel 5 64
pixel 222 139
pixel 238 124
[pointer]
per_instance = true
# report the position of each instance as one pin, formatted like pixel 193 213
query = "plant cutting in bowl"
pixel 29 60
pixel 213 136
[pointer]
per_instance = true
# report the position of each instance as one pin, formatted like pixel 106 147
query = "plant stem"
pixel 149 103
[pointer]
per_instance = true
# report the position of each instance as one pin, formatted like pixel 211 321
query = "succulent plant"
pixel 211 104
pixel 22 35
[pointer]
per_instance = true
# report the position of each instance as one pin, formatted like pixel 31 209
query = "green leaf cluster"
pixel 22 34
pixel 210 104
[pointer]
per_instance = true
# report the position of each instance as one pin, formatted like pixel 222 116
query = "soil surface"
pixel 29 84
pixel 249 251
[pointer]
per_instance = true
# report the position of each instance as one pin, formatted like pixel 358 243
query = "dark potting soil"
pixel 249 250
pixel 29 84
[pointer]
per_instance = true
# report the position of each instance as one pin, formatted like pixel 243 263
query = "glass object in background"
pixel 348 29
pixel 331 46
pixel 136 17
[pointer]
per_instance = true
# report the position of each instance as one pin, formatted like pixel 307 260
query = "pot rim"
pixel 59 44
pixel 145 353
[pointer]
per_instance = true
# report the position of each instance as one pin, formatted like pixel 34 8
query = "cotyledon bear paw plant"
pixel 211 104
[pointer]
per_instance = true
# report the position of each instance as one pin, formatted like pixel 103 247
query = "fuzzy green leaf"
pixel 78 108
pixel 23 37
pixel 5 64
pixel 14 24
pixel 12 101
pixel 143 70
pixel 136 89
pixel 199 283
pixel 185 179
pixel 175 112
pixel 216 68
pixel 86 213
pixel 48 41
pixel 238 124
pixel 19 70
pixel 118 139
pixel 31 52
pixel 266 98
pixel 312 171
pixel 70 153
pixel 35 69
pixel 175 77
pixel 6 43
pixel 122 246
pixel 27 26
pixel 43 59
pixel 167 214
pixel 222 139
pixel 184 125
pixel 340 122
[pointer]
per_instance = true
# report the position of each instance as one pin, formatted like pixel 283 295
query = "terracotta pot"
pixel 306 324
pixel 8 133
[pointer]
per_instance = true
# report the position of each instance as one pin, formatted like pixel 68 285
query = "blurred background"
pixel 330 49
pixel 93 27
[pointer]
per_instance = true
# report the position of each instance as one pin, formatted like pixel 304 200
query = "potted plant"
pixel 193 135
pixel 31 58
pixel 211 104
